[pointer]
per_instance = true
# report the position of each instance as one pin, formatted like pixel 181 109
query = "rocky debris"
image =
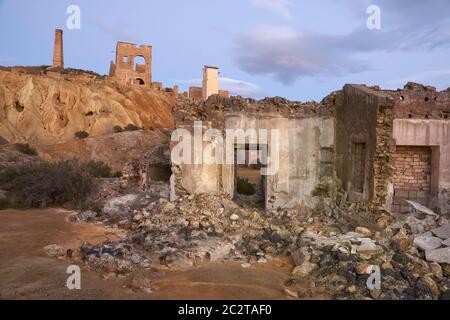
pixel 442 232
pixel 427 242
pixel 113 257
pixel 119 205
pixel 209 228
pixel 330 251
pixel 439 255
pixel 418 208
pixel 446 243
pixel 54 250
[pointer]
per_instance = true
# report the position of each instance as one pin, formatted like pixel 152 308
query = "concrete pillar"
pixel 58 53
pixel 210 82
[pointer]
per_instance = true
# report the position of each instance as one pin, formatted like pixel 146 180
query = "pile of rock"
pixel 207 227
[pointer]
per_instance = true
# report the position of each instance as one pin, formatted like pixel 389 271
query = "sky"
pixel 298 49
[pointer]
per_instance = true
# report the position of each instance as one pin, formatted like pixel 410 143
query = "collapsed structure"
pixel 381 147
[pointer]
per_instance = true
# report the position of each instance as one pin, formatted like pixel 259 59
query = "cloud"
pixel 288 53
pixel 279 7
pixel 423 76
pixel 118 32
pixel 236 87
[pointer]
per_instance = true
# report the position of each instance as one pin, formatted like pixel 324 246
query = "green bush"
pixel 132 127
pixel 99 169
pixel 47 184
pixel 3 141
pixel 118 129
pixel 244 187
pixel 26 149
pixel 81 135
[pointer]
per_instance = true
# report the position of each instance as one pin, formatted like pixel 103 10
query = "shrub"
pixel 26 149
pixel 81 135
pixel 118 129
pixel 3 141
pixel 47 184
pixel 244 187
pixel 132 127
pixel 99 169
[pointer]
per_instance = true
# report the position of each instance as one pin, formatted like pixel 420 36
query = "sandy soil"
pixel 27 273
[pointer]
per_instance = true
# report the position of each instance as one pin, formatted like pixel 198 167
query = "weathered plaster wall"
pixel 299 166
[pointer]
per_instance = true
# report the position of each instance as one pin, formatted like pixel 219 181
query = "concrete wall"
pixel 358 114
pixel 210 82
pixel 299 172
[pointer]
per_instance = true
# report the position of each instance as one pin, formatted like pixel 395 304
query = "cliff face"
pixel 41 110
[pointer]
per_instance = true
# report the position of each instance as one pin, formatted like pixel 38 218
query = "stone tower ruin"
pixel 58 53
pixel 210 81
pixel 127 70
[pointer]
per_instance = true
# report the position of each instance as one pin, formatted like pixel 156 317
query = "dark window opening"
pixel 326 162
pixel 358 167
pixel 250 185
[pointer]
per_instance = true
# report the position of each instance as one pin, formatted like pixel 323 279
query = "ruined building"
pixel 210 85
pixel 380 147
pixel 58 53
pixel 133 64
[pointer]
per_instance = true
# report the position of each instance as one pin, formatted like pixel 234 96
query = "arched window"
pixel 139 60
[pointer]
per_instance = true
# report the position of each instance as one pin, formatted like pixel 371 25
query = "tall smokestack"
pixel 58 53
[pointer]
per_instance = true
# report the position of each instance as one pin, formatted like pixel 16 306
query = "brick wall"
pixel 412 176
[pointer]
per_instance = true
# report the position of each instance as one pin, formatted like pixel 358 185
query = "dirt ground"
pixel 27 273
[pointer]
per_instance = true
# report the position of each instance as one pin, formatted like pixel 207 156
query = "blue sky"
pixel 302 50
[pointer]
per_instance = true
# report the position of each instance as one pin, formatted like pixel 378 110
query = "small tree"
pixel 81 135
pixel 26 149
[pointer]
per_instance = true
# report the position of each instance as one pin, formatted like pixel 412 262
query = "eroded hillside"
pixel 39 109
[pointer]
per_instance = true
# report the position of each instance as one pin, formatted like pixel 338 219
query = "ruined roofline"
pixel 134 44
pixel 211 67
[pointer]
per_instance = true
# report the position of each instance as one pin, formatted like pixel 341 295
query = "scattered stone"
pixel 304 269
pixel 246 265
pixel 417 207
pixel 446 243
pixel 436 269
pixel 439 255
pixel 364 231
pixel 402 244
pixel 369 249
pixel 54 250
pixel 442 232
pixel 375 294
pixel 363 268
pixel 169 207
pixel 290 293
pixel 234 217
pixel 427 242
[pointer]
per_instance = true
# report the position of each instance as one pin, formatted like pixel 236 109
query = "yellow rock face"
pixel 42 110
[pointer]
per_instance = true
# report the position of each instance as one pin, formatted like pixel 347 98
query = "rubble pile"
pixel 211 228
pixel 338 251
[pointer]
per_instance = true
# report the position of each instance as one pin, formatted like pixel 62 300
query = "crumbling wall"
pixel 306 147
pixel 422 118
pixel 126 71
pixel 435 134
pixel 364 122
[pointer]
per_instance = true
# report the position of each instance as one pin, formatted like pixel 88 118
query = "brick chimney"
pixel 58 53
